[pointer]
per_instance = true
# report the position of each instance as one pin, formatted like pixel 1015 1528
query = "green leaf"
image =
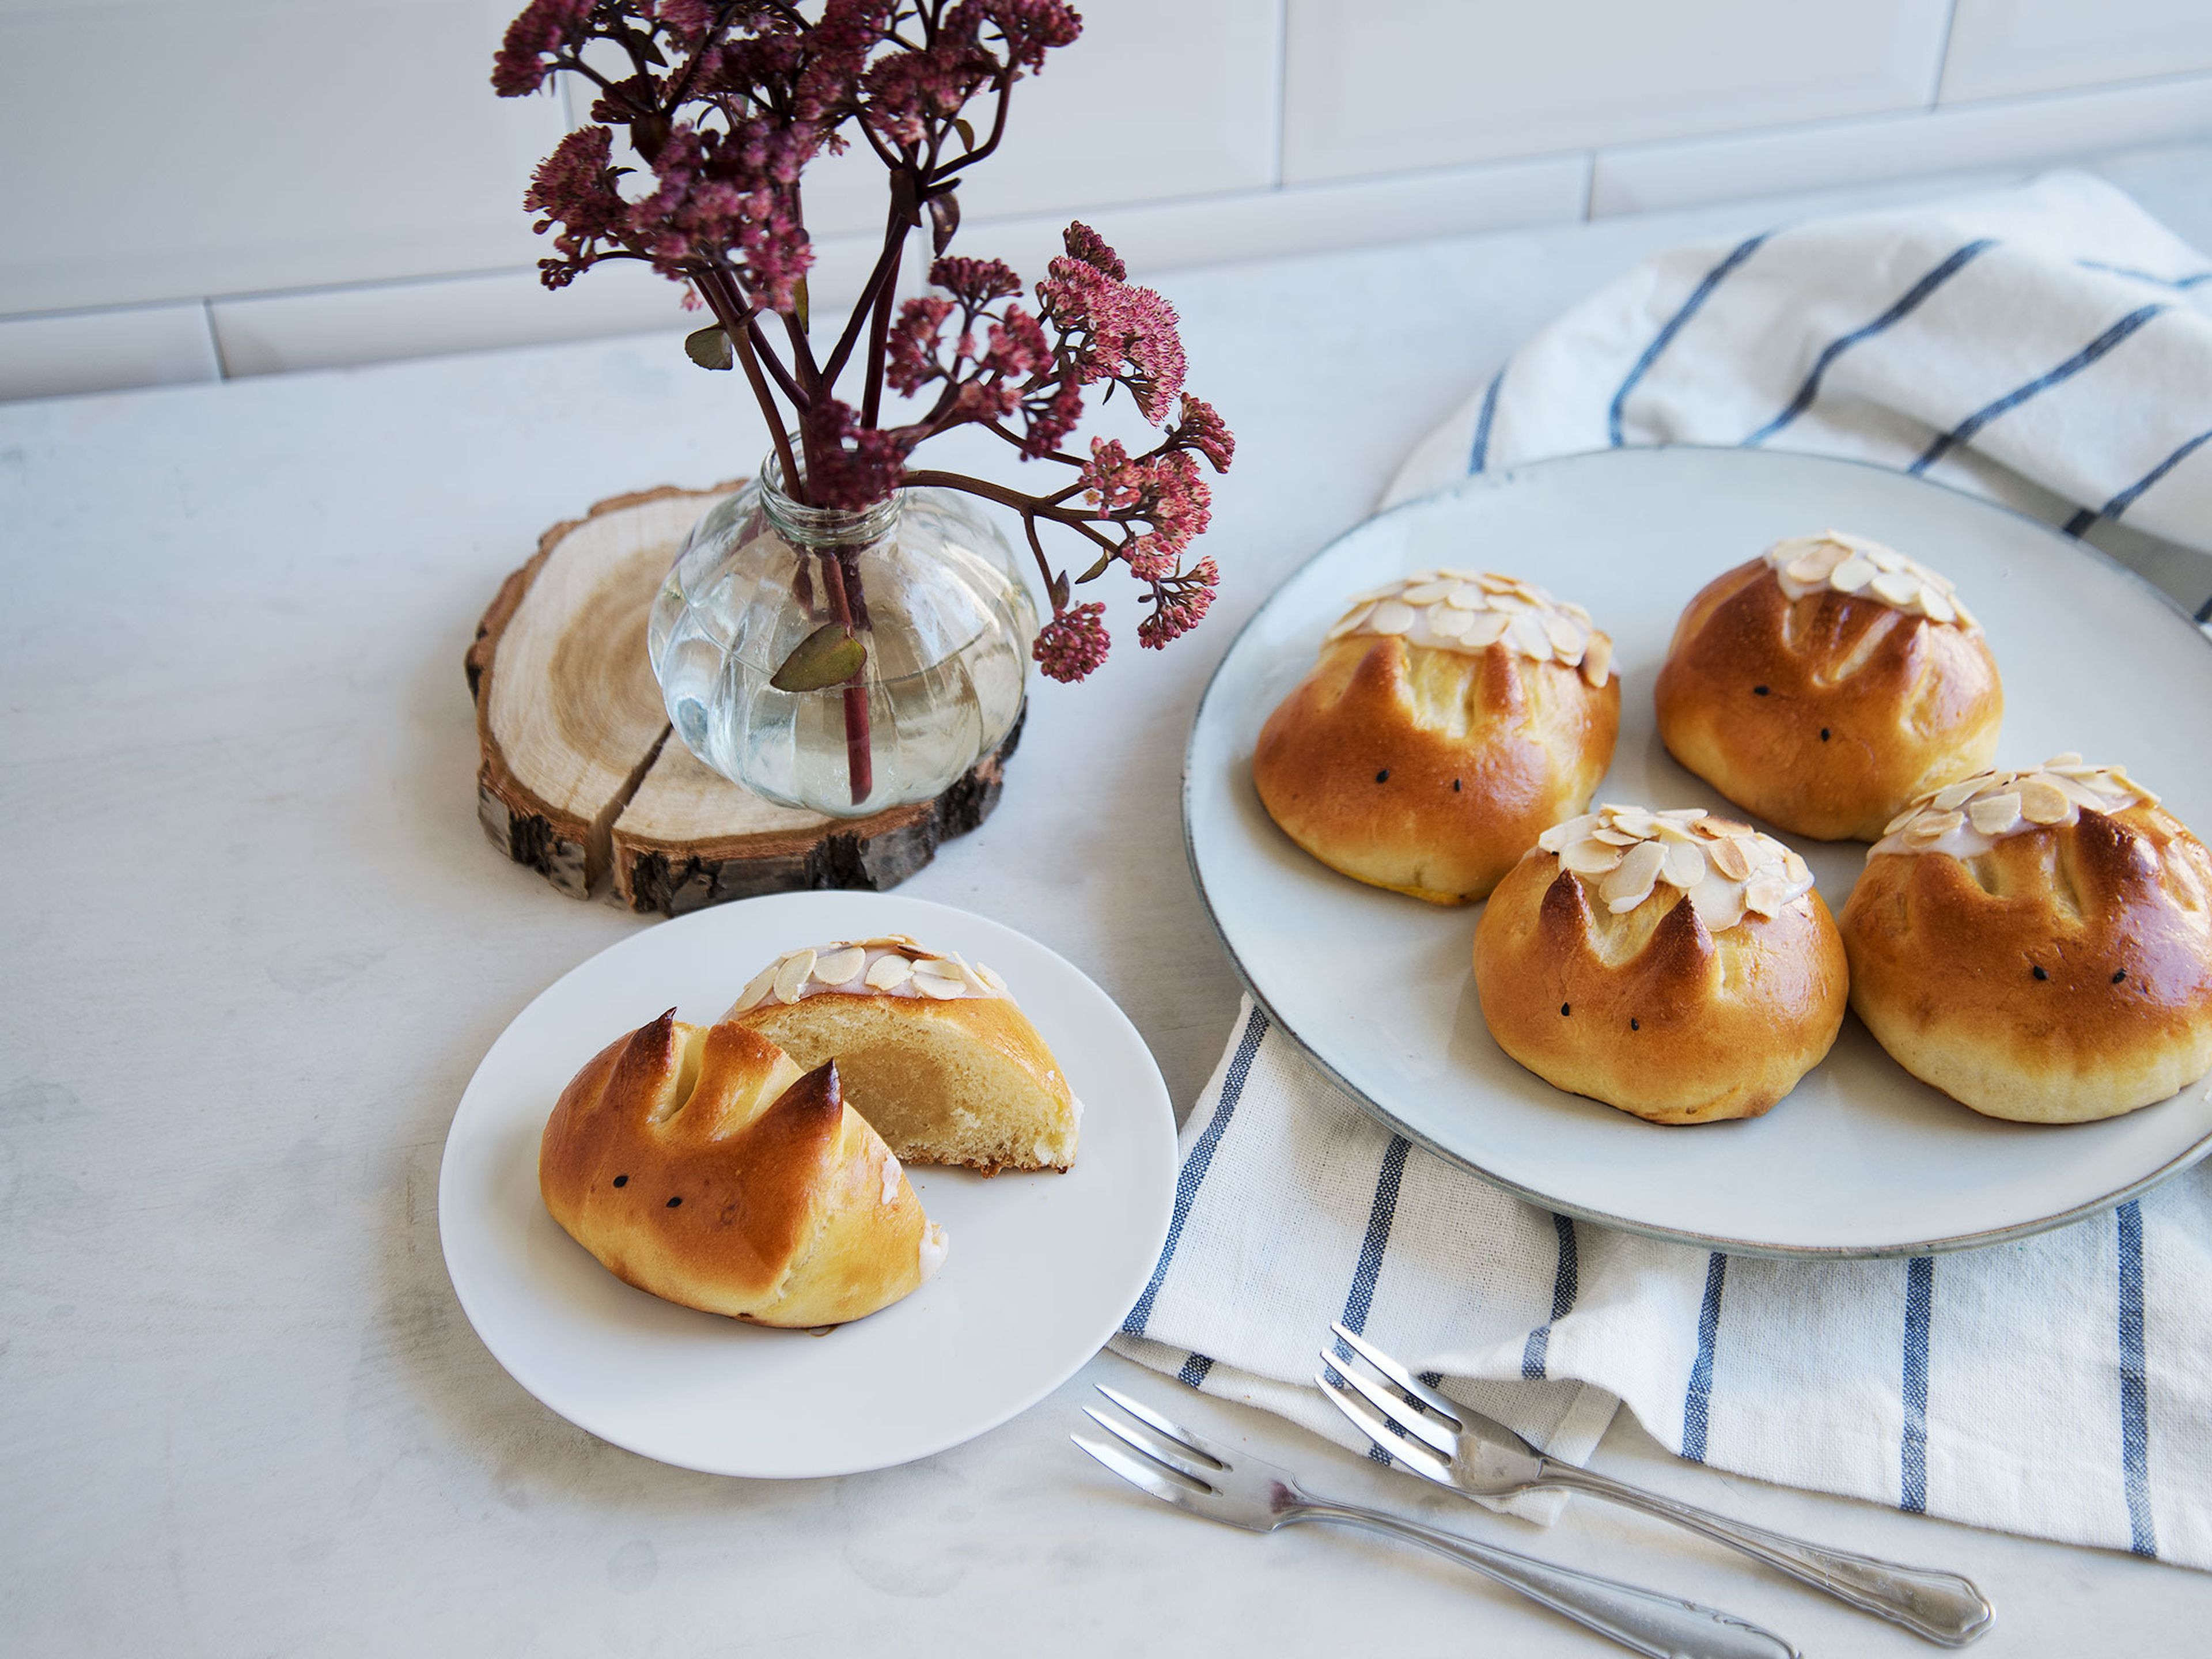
pixel 799 303
pixel 827 656
pixel 709 347
pixel 967 133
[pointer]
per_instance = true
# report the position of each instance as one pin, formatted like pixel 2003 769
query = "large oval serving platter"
pixel 1861 1159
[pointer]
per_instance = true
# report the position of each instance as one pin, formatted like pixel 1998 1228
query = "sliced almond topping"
pixel 1447 623
pixel 1527 635
pixel 840 967
pixel 1682 864
pixel 1965 618
pixel 1590 858
pixel 1767 895
pixel 1934 606
pixel 1672 829
pixel 790 974
pixel 1852 574
pixel 1562 835
pixel 1352 618
pixel 1565 637
pixel 1578 612
pixel 1954 794
pixel 2069 758
pixel 889 973
pixel 1391 617
pixel 1901 819
pixel 1597 659
pixel 1465 596
pixel 1808 570
pixel 1613 837
pixel 756 987
pixel 942 989
pixel 991 980
pixel 1897 587
pixel 1997 815
pixel 1727 827
pixel 2042 801
pixel 1638 821
pixel 1487 628
pixel 1730 859
pixel 1800 873
pixel 1632 879
pixel 1427 592
pixel 1936 822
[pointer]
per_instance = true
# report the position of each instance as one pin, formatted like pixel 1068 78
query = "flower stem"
pixel 860 761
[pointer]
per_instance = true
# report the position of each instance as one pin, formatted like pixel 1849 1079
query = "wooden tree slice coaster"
pixel 580 778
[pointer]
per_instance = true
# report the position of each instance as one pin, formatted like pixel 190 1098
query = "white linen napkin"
pixel 2047 347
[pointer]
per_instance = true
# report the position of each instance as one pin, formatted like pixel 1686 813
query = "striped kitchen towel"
pixel 2050 347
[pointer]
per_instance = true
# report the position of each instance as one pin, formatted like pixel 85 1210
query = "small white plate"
pixel 1042 1269
pixel 1861 1159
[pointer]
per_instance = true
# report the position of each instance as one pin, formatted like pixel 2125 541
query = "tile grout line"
pixel 1943 55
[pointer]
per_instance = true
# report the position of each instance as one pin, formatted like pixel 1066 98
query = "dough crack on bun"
pixel 700 1164
pixel 1674 965
pixel 1828 683
pixel 1450 717
pixel 2039 944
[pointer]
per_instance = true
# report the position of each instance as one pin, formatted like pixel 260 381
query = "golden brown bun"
pixel 2115 911
pixel 1649 1010
pixel 698 1164
pixel 1428 771
pixel 1863 705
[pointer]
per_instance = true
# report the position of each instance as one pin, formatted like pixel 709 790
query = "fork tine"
pixel 1415 1457
pixel 1175 1431
pixel 1140 1475
pixel 1397 1373
pixel 1431 1435
pixel 1150 1447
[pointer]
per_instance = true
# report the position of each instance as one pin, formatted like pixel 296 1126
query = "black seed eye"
pixel 1455 785
pixel 1757 690
pixel 1383 776
pixel 1635 1025
pixel 2040 973
pixel 1563 1010
pixel 622 1181
pixel 673 1202
pixel 1824 734
pixel 2117 977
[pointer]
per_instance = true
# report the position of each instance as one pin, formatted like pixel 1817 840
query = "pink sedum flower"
pixel 1074 643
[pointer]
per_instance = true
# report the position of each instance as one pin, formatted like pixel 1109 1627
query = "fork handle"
pixel 1939 1606
pixel 1658 1626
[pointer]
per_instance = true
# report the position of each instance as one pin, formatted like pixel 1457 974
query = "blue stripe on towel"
pixel 1698 1401
pixel 1965 431
pixel 1912 1454
pixel 1698 295
pixel 1481 452
pixel 1381 1212
pixel 1905 303
pixel 2134 1386
pixel 2196 278
pixel 1565 1285
pixel 1195 1370
pixel 1194 1168
pixel 2120 503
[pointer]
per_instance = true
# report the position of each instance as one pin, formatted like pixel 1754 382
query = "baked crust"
pixel 1651 1011
pixel 1864 706
pixel 1429 771
pixel 699 1164
pixel 2113 911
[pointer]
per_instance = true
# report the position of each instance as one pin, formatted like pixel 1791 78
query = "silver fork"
pixel 1458 1446
pixel 1178 1467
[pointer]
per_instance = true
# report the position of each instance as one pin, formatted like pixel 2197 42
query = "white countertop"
pixel 255 942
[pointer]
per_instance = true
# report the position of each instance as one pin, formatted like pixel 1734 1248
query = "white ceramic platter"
pixel 1041 1267
pixel 1861 1159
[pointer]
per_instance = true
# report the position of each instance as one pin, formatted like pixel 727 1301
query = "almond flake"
pixel 991 980
pixel 1527 635
pixel 1897 587
pixel 944 990
pixel 1727 827
pixel 1639 869
pixel 1934 606
pixel 1427 592
pixel 1997 815
pixel 1953 794
pixel 1852 574
pixel 1590 858
pixel 2069 758
pixel 1447 623
pixel 1767 895
pixel 1566 639
pixel 889 973
pixel 1597 659
pixel 1563 834
pixel 756 988
pixel 2042 801
pixel 1682 864
pixel 1391 617
pixel 1466 598
pixel 841 967
pixel 1353 619
pixel 1612 837
pixel 1800 873
pixel 790 974
pixel 1487 628
pixel 1730 859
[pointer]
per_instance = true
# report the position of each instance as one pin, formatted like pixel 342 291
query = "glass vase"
pixel 926 585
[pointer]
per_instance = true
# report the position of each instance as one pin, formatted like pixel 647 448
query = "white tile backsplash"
pixel 105 350
pixel 1647 178
pixel 337 183
pixel 1376 85
pixel 2002 48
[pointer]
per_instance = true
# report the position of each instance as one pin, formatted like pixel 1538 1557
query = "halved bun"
pixel 2053 972
pixel 1680 996
pixel 699 1165
pixel 934 1053
pixel 1826 711
pixel 1424 761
